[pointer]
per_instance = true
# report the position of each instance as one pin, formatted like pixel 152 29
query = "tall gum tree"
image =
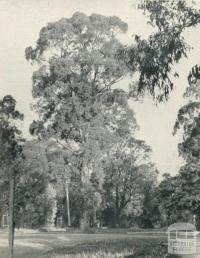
pixel 78 59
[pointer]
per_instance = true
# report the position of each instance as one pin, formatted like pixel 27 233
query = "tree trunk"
pixel 11 215
pixel 117 208
pixel 67 204
pixel 84 221
pixel 52 202
pixel 94 217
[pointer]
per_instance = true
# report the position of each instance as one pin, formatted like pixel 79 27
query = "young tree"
pixel 10 152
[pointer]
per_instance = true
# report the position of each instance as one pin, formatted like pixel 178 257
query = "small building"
pixel 182 238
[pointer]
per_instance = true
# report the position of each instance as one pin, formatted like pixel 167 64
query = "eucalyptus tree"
pixel 155 57
pixel 11 142
pixel 78 63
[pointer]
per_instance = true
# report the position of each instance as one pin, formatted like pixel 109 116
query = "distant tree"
pixel 44 180
pixel 150 213
pixel 189 120
pixel 178 197
pixel 11 142
pixel 168 197
pixel 127 170
pixel 32 199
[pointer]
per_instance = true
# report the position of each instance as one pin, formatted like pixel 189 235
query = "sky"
pixel 20 23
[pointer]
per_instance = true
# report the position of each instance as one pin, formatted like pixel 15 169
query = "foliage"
pixel 31 198
pixel 11 145
pixel 155 57
pixel 127 171
pixel 81 65
pixel 180 194
pixel 10 135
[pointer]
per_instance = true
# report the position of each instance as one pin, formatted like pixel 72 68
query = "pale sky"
pixel 20 23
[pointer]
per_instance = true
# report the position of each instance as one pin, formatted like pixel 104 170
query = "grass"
pixel 116 249
pixel 99 254
pixel 68 245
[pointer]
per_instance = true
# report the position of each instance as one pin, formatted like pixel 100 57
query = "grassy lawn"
pixel 66 245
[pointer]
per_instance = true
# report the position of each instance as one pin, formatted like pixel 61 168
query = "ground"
pixel 71 245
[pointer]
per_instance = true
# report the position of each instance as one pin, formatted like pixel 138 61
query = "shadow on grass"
pixel 21 252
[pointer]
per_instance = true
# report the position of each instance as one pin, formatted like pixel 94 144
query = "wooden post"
pixel 67 203
pixel 11 215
